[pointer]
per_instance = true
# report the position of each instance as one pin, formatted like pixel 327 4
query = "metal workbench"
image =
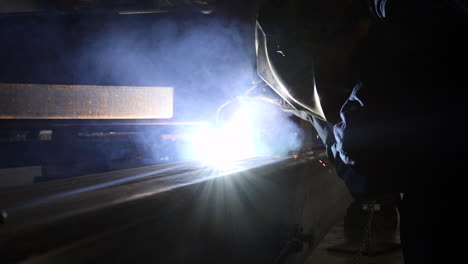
pixel 257 211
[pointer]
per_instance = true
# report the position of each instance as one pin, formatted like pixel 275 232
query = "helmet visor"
pixel 288 71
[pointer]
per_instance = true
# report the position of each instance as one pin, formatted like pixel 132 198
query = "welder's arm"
pixel 335 140
pixel 352 179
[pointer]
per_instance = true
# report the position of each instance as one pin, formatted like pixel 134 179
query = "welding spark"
pixel 249 130
pixel 220 147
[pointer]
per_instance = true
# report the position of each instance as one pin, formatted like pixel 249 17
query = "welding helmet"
pixel 286 32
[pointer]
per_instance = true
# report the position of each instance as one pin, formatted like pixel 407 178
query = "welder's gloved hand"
pixel 355 182
pixel 325 132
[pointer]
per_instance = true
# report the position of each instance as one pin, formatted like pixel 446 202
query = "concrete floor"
pixel 336 236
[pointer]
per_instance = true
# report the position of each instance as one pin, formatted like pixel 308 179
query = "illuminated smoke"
pixel 208 59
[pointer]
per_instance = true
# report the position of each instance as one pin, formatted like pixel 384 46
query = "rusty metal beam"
pixel 41 101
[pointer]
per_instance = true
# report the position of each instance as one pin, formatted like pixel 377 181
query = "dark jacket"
pixel 403 126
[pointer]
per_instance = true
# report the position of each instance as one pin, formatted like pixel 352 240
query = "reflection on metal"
pixel 38 101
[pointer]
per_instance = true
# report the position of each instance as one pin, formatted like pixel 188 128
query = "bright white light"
pixel 254 130
pixel 221 147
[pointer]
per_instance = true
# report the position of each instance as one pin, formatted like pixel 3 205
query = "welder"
pixel 382 81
